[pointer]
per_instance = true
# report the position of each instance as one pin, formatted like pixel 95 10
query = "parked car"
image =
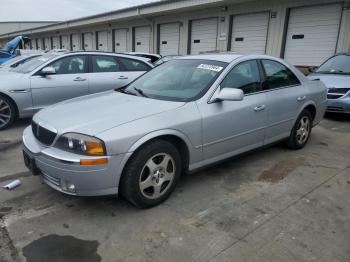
pixel 153 57
pixel 11 47
pixel 335 74
pixel 55 77
pixel 17 61
pixel 183 115
pixel 165 59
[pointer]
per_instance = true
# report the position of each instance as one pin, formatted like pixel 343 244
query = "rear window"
pixel 133 65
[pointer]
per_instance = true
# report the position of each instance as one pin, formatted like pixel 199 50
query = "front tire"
pixel 301 131
pixel 151 174
pixel 7 112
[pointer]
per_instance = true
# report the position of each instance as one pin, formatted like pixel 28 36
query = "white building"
pixel 304 32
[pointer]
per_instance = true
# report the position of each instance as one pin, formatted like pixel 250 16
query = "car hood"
pixel 332 80
pixel 96 113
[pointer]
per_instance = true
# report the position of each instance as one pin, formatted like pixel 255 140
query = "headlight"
pixel 81 144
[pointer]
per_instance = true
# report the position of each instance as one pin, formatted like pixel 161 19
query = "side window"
pixel 278 75
pixel 244 76
pixel 133 65
pixel 103 64
pixel 70 65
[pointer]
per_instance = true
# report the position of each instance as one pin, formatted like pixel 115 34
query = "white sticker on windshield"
pixel 210 67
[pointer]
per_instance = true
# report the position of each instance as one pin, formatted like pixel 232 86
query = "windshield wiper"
pixel 340 72
pixel 140 91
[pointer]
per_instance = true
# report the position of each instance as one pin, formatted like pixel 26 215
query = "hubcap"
pixel 303 130
pixel 157 175
pixel 5 113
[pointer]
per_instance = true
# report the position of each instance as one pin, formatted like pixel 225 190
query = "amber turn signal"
pixel 93 162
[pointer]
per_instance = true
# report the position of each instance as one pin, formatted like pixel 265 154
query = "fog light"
pixel 67 186
pixel 71 187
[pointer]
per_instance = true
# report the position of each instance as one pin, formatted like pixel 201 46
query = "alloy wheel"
pixel 303 130
pixel 157 176
pixel 5 113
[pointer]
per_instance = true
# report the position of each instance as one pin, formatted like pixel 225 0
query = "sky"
pixel 59 10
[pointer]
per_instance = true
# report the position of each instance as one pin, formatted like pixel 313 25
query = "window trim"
pixel 114 57
pixel 49 63
pixel 126 70
pixel 262 77
pixel 281 87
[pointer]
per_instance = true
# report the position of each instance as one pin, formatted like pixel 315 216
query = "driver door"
pixel 233 127
pixel 70 80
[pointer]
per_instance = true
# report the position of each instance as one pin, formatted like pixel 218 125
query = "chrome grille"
pixel 44 135
pixel 335 93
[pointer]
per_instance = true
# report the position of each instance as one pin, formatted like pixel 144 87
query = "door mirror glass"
pixel 49 70
pixel 230 94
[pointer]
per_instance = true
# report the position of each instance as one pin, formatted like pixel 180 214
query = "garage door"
pixel 169 39
pixel 120 40
pixel 55 42
pixel 47 43
pixel 142 39
pixel 102 41
pixel 249 33
pixel 312 34
pixel 88 41
pixel 39 43
pixel 76 45
pixel 204 34
pixel 65 42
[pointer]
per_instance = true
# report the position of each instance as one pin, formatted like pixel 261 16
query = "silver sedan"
pixel 181 116
pixel 55 77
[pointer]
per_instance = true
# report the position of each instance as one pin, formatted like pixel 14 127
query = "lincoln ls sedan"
pixel 181 116
pixel 55 77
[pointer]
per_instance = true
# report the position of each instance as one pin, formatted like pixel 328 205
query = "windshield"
pixel 18 60
pixel 177 80
pixel 339 64
pixel 33 63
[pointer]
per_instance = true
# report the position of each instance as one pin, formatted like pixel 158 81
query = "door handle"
pixel 259 108
pixel 122 77
pixel 301 98
pixel 79 79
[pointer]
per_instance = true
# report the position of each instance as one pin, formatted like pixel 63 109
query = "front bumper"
pixel 59 169
pixel 340 105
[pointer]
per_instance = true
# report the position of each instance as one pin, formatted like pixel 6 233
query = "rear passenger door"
pixel 285 96
pixel 110 72
pixel 133 68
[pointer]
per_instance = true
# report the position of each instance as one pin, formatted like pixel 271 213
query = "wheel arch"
pixel 177 138
pixel 12 101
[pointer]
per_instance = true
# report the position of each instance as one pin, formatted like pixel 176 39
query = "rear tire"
pixel 301 131
pixel 7 112
pixel 151 174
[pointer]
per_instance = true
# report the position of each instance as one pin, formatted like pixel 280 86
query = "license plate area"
pixel 30 164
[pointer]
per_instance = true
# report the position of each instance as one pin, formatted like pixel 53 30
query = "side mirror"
pixel 312 69
pixel 49 70
pixel 230 94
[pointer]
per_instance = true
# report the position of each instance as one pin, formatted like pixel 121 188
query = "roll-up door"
pixel 88 41
pixel 169 39
pixel 39 43
pixel 55 42
pixel 312 34
pixel 76 44
pixel 249 33
pixel 65 42
pixel 47 43
pixel 204 33
pixel 120 40
pixel 102 41
pixel 142 39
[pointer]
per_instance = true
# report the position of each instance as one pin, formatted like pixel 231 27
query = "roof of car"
pixel 109 53
pixel 223 57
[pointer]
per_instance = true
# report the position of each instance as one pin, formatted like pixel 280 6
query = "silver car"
pixel 17 61
pixel 55 77
pixel 335 74
pixel 181 116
